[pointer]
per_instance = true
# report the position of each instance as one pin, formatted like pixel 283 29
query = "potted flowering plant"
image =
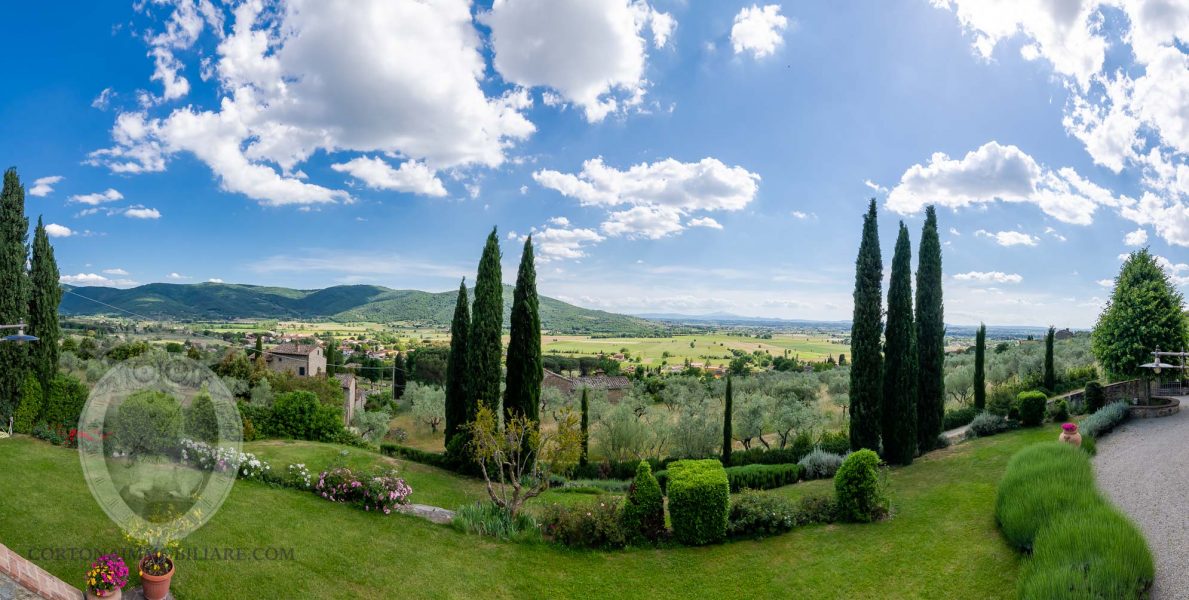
pixel 1070 435
pixel 156 567
pixel 107 577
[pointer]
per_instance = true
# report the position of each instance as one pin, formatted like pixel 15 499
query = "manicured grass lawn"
pixel 940 543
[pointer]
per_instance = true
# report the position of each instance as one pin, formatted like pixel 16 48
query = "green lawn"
pixel 940 543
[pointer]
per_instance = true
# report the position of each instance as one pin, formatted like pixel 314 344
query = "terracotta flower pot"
pixel 156 587
pixel 115 594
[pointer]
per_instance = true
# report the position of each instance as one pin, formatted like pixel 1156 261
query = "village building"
pixel 303 360
pixel 616 386
pixel 353 397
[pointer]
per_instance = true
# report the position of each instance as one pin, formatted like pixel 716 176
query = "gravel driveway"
pixel 1143 467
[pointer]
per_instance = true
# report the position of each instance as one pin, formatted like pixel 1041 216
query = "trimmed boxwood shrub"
pixel 1032 408
pixel 644 510
pixel 857 488
pixel 958 417
pixel 1041 482
pixel 699 500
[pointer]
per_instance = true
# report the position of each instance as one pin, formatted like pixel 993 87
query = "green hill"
pixel 222 301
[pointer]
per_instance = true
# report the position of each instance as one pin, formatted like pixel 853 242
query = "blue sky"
pixel 669 156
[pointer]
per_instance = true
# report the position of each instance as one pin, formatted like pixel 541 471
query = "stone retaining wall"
pixel 34 578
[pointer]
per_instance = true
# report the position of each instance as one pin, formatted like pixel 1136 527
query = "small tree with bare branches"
pixel 517 459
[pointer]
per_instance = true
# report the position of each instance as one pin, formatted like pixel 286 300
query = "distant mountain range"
pixel 222 301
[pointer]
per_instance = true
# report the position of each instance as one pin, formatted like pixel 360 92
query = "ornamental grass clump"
pixel 1041 482
pixel 487 519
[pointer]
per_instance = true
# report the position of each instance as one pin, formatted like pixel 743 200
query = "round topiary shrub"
pixel 644 510
pixel 1032 408
pixel 857 488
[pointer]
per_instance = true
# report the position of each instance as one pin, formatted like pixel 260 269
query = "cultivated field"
pixel 713 349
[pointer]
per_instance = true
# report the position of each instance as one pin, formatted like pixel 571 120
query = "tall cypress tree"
pixel 457 406
pixel 585 456
pixel 45 294
pixel 14 288
pixel 522 392
pixel 484 345
pixel 400 376
pixel 930 321
pixel 900 357
pixel 980 367
pixel 1050 381
pixel 727 438
pixel 866 360
pixel 260 346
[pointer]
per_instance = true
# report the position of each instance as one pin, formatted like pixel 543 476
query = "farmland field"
pixel 712 348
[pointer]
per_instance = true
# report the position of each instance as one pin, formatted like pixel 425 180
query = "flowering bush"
pixel 371 492
pixel 217 458
pixel 298 476
pixel 106 575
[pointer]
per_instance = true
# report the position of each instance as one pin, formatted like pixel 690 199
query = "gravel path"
pixel 1143 467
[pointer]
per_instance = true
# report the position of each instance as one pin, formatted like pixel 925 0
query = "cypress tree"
pixel 400 376
pixel 14 288
pixel 727 438
pixel 260 345
pixel 1050 381
pixel 980 367
pixel 900 369
pixel 457 410
pixel 866 362
pixel 45 294
pixel 930 321
pixel 522 392
pixel 585 456
pixel 484 346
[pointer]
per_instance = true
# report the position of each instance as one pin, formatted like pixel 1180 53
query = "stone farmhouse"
pixel 303 360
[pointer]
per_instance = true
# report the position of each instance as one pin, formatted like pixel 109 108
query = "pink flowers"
pixel 377 492
pixel 1070 427
pixel 107 574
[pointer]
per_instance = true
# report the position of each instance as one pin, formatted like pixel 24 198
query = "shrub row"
pixel 987 424
pixel 755 514
pixel 1106 419
pixel 802 445
pixel 754 476
pixel 958 417
pixel 1081 546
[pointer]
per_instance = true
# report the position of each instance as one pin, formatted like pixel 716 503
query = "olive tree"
pixel 517 459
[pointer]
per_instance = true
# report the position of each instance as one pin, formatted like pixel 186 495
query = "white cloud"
pixel 412 176
pixel 954 231
pixel 117 271
pixel 590 51
pixel 141 212
pixel 110 195
pixel 95 279
pixel 989 277
pixel 875 186
pixel 704 222
pixel 103 100
pixel 399 77
pixel 176 276
pixel 658 194
pixel 1177 272
pixel 1106 283
pixel 560 241
pixel 1049 231
pixel 1009 238
pixel 1130 113
pixel 214 280
pixel 56 230
pixel 759 31
pixel 1139 237
pixel 44 186
pixel 802 215
pixel 996 172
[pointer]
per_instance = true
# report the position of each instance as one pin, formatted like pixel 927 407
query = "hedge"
pixel 1081 546
pixel 699 501
pixel 958 417
pixel 754 476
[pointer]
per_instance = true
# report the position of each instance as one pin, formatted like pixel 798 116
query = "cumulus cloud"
pixel 109 195
pixel 875 186
pixel 56 230
pixel 704 222
pixel 176 276
pixel 412 176
pixel 1139 237
pixel 591 52
pixel 117 271
pixel 1004 173
pixel 95 279
pixel 657 195
pixel 1009 238
pixel 214 280
pixel 44 186
pixel 1130 114
pixel 141 212
pixel 559 240
pixel 989 277
pixel 387 76
pixel 759 31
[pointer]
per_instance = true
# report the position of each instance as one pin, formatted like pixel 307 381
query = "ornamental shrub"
pixel 766 456
pixel 699 499
pixel 987 424
pixel 594 525
pixel 65 401
pixel 201 422
pixel 1106 419
pixel 31 406
pixel 1095 397
pixel 958 417
pixel 1098 553
pixel 644 509
pixel 1032 408
pixel 1041 482
pixel 762 477
pixel 857 488
pixel 149 423
pixel 834 442
pixel 820 464
pixel 1060 411
pixel 755 514
pixel 299 415
pixel 817 509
